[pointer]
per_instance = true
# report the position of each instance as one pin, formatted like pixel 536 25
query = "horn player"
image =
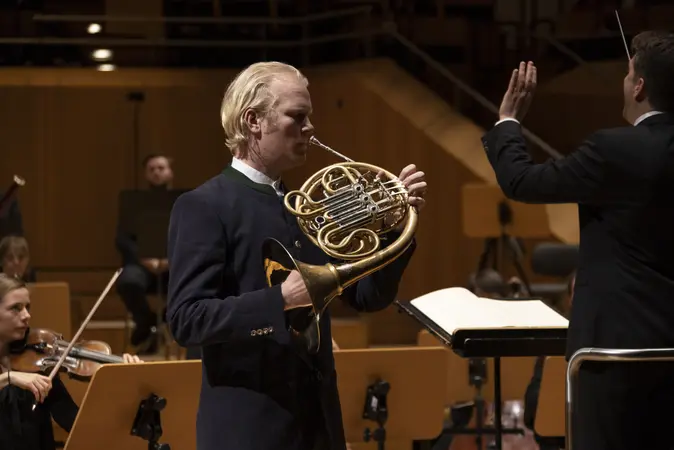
pixel 622 179
pixel 259 391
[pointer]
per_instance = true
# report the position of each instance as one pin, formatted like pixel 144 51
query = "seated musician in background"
pixel 533 389
pixel 11 221
pixel 140 276
pixel 261 389
pixel 15 258
pixel 20 427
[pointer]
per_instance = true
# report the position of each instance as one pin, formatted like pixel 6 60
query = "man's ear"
pixel 639 91
pixel 252 120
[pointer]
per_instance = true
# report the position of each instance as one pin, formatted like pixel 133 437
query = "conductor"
pixel 258 391
pixel 622 180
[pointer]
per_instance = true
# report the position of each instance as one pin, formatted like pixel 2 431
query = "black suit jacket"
pixel 11 220
pixel 258 391
pixel 623 181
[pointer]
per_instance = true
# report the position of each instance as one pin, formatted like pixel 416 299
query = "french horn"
pixel 344 209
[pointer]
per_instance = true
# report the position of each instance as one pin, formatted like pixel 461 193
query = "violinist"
pixel 21 428
pixel 15 258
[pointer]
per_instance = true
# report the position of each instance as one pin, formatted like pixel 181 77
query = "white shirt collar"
pixel 255 175
pixel 645 116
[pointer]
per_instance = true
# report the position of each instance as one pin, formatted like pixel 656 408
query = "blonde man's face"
pixel 284 134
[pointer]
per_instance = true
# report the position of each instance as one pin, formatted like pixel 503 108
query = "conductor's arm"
pixel 576 178
pixel 198 313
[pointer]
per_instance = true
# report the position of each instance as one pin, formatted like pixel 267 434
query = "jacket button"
pixel 252 333
pixel 298 244
pixel 271 329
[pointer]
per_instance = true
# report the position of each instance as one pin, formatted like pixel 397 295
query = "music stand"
pixel 151 399
pixel 492 342
pixel 402 389
pixel 478 386
pixel 146 214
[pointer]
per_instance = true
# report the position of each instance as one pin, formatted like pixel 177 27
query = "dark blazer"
pixel 258 391
pixel 623 182
pixel 11 220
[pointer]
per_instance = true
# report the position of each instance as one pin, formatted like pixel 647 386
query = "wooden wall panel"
pixel 87 152
pixel 22 133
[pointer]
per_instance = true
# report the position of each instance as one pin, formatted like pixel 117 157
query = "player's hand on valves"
pixel 517 99
pixel 38 384
pixel 415 182
pixel 294 291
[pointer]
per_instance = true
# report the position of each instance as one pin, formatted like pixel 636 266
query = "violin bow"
pixel 65 354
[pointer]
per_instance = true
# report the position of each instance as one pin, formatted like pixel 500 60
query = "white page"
pixel 459 309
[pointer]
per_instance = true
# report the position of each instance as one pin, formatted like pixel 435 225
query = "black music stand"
pixel 495 343
pixel 146 214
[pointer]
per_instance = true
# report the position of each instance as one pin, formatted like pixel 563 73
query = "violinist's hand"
pixel 155 265
pixel 38 384
pixel 131 359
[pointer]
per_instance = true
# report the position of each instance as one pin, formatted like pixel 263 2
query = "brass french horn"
pixel 344 209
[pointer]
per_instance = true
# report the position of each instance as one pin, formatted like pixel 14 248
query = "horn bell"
pixel 322 284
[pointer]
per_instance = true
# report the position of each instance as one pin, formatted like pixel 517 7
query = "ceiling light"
pixel 94 28
pixel 102 54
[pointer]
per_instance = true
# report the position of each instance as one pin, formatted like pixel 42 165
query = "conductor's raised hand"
pixel 517 98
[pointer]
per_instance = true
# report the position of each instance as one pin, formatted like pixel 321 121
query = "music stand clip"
pixel 376 410
pixel 147 424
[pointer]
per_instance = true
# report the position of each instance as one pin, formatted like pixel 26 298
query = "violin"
pixel 43 349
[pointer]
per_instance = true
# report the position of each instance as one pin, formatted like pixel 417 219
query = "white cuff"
pixel 507 118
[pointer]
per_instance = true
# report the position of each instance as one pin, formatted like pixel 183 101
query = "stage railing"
pixel 603 355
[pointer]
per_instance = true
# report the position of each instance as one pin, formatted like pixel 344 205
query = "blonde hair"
pixel 9 284
pixel 250 89
pixel 14 245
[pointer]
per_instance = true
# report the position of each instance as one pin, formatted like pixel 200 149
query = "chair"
pixel 555 260
pixel 603 354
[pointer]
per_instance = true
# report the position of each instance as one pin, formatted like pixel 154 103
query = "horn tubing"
pixel 317 143
pixel 350 273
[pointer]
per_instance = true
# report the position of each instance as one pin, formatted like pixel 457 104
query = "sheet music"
pixel 457 308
